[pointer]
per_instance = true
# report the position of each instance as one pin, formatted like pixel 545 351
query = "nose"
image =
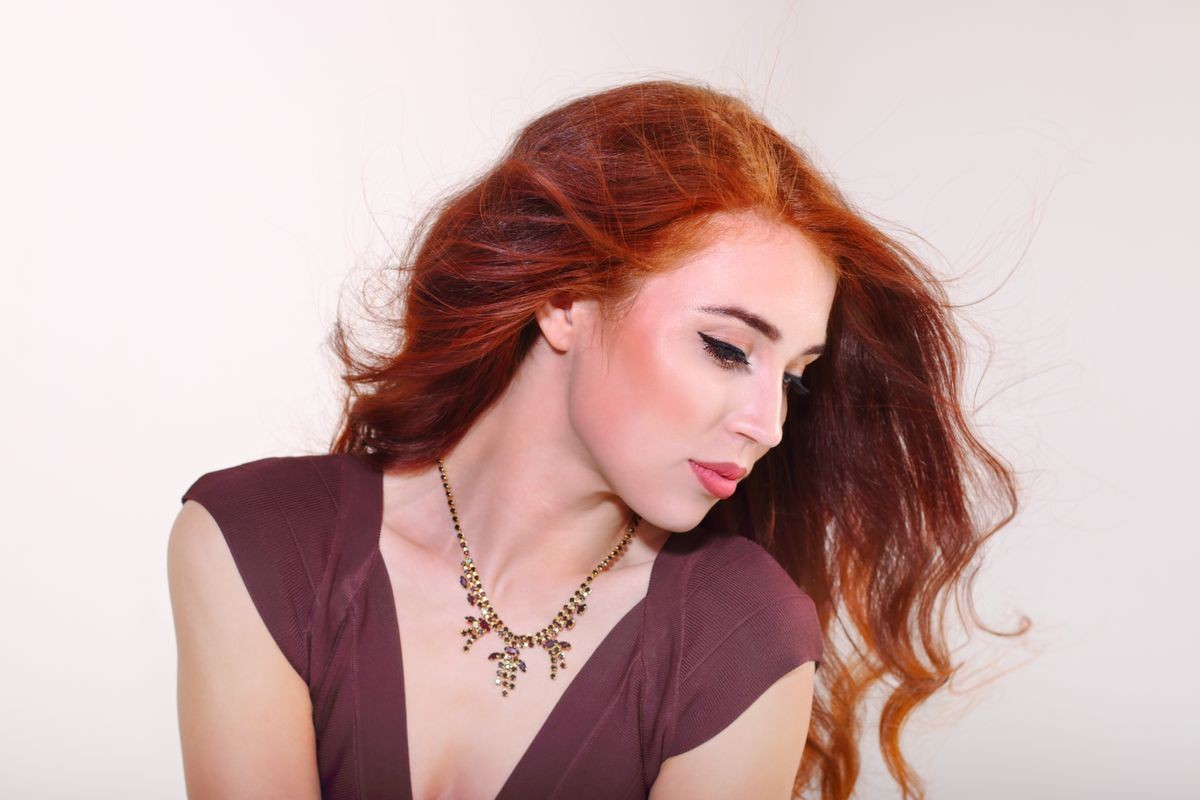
pixel 762 410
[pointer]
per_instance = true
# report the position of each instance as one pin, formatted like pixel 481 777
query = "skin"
pixel 600 422
pixel 603 417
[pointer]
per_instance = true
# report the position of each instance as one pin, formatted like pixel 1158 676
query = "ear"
pixel 563 320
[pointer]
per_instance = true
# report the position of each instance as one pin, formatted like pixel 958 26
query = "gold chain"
pixel 510 658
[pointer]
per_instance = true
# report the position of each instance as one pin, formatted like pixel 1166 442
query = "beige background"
pixel 184 187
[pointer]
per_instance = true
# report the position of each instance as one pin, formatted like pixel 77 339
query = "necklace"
pixel 509 658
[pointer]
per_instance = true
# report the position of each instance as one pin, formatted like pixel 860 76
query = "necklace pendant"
pixel 556 647
pixel 476 629
pixel 506 670
pixel 509 658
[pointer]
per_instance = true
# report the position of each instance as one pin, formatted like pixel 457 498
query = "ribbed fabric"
pixel 720 623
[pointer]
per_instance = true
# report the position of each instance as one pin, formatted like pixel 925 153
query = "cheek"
pixel 643 405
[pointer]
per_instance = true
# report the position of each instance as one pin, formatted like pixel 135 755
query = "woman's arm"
pixel 756 756
pixel 245 717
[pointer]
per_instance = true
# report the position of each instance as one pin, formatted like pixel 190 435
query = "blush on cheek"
pixel 673 415
pixel 638 406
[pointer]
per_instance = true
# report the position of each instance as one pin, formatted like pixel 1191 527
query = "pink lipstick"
pixel 714 482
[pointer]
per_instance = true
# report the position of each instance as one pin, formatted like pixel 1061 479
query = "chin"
pixel 661 502
pixel 677 520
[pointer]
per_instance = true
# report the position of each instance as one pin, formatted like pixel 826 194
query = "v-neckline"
pixel 572 695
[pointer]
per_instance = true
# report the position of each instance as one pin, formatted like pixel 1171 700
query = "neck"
pixel 536 513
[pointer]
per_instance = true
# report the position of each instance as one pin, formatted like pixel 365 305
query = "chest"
pixel 464 737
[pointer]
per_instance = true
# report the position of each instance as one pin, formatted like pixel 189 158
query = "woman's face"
pixel 665 386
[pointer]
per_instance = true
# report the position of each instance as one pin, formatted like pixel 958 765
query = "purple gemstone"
pixel 463 580
pixel 521 664
pixel 471 599
pixel 512 651
pixel 564 645
pixel 550 643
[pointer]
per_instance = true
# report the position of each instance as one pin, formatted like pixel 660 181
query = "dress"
pixel 720 623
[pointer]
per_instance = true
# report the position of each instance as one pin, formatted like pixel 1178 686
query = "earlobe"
pixel 556 320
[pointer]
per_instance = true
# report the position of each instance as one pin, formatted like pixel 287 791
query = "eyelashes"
pixel 730 357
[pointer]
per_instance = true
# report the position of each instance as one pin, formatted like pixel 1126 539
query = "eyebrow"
pixel 758 323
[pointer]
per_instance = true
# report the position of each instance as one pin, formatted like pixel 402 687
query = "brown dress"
pixel 720 623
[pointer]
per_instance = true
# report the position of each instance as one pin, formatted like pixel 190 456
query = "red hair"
pixel 875 501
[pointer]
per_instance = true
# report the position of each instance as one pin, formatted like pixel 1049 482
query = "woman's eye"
pixel 731 357
pixel 725 354
pixel 793 383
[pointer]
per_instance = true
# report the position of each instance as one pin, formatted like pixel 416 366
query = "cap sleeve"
pixel 255 506
pixel 745 626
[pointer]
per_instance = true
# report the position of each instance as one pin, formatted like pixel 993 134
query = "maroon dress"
pixel 720 623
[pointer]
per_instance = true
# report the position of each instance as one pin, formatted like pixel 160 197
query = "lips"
pixel 715 482
pixel 726 469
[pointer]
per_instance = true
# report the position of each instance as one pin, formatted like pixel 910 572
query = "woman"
pixel 660 406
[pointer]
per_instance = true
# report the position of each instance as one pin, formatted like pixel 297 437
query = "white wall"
pixel 183 190
pixel 1071 127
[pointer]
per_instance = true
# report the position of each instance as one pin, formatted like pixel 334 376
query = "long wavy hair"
pixel 879 497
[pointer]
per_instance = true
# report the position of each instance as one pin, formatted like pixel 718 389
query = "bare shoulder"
pixel 245 717
pixel 755 756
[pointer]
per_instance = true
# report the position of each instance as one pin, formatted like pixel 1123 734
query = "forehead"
pixel 769 268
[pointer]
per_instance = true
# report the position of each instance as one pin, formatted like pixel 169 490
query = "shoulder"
pixel 745 624
pixel 725 551
pixel 278 503
pixel 278 518
pixel 270 479
pixel 734 578
pixel 757 754
pixel 244 708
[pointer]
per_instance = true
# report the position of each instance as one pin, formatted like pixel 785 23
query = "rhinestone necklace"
pixel 510 657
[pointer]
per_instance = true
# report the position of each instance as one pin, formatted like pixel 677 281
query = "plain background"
pixel 185 189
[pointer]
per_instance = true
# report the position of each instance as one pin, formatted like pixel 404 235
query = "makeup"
pixel 714 483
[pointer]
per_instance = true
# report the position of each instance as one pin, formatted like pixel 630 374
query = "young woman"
pixel 658 409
